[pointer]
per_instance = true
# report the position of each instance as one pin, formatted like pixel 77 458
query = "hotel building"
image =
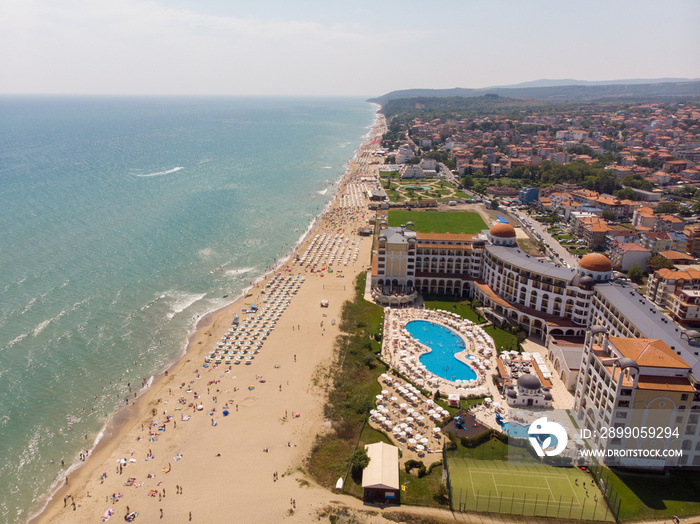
pixel 637 383
pixel 551 302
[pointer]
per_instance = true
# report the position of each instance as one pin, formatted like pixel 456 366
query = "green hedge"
pixel 472 442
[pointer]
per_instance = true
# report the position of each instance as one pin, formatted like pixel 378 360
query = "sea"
pixel 123 219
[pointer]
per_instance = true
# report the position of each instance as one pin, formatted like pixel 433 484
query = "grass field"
pixel 434 222
pixel 496 486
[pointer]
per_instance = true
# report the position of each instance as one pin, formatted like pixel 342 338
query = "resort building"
pixel 637 382
pixel 549 301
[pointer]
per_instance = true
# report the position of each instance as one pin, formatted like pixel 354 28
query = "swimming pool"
pixel 444 343
pixel 513 429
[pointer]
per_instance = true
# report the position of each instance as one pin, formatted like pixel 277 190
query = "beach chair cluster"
pixel 326 250
pixel 411 418
pixel 353 199
pixel 244 339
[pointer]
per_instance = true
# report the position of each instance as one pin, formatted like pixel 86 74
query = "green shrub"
pixel 472 442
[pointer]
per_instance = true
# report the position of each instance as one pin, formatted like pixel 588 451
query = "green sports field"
pixel 439 222
pixel 497 486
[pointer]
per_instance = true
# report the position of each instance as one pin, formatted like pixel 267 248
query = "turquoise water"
pixel 121 221
pixel 513 429
pixel 444 344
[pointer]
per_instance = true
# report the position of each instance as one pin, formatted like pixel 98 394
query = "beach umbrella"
pixel 384 391
pixel 412 441
pixel 424 440
pixel 420 447
pixel 436 430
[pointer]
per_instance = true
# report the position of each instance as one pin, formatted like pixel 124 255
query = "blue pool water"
pixel 513 429
pixel 444 343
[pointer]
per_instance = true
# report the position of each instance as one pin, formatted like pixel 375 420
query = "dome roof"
pixel 595 262
pixel 626 362
pixel 511 393
pixel 529 381
pixel 586 281
pixel 501 230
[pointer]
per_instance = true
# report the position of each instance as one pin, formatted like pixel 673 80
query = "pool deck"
pixel 401 351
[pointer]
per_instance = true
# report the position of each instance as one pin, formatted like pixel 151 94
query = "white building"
pixel 411 171
pixel 528 391
pixel 635 383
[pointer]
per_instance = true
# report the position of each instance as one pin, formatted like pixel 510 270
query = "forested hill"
pixel 556 93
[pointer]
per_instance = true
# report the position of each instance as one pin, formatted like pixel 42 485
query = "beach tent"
pixel 324 303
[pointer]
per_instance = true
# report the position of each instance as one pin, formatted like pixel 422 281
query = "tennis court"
pixel 497 486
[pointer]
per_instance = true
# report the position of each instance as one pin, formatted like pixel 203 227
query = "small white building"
pixel 380 479
pixel 528 392
pixel 411 171
pixel 453 400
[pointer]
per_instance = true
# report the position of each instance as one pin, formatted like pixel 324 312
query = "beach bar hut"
pixel 453 400
pixel 380 479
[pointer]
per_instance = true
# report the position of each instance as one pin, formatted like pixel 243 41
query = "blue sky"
pixel 359 48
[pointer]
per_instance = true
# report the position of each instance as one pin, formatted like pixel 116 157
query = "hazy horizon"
pixel 313 48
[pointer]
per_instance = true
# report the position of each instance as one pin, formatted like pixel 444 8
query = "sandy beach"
pixel 170 458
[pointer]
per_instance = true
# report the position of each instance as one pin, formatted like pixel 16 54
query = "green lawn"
pixel 648 497
pixel 501 338
pixel 580 251
pixel 454 304
pixel 420 492
pixel 452 222
pixel 497 486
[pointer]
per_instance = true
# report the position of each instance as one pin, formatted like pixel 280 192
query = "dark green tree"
pixel 358 462
pixel 635 273
pixel 656 262
pixel 667 207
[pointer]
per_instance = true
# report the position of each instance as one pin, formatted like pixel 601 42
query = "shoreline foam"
pixel 126 418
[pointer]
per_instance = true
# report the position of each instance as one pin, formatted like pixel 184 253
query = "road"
pixel 539 231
